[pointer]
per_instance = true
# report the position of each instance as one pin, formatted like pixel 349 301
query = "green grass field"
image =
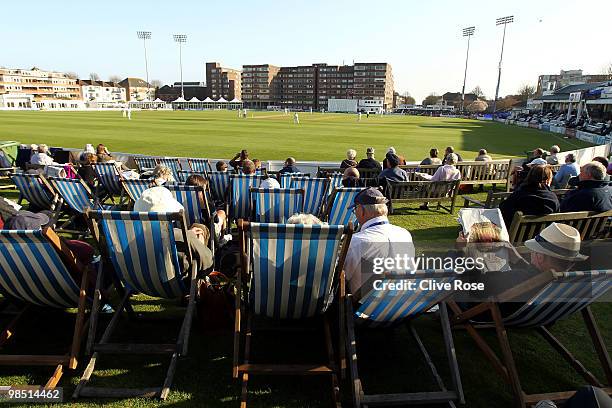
pixel 271 135
pixel 389 361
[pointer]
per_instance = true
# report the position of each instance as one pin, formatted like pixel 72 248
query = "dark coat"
pixel 530 201
pixel 591 195
pixel 288 169
pixel 346 163
pixel 369 164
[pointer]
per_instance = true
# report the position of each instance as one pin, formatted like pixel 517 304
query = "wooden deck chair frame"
pixel 243 331
pixel 60 362
pixel 506 366
pixel 358 396
pixel 104 346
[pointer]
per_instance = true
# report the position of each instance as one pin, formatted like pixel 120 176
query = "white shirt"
pixel 270 182
pixel 42 159
pixel 372 241
pixel 444 173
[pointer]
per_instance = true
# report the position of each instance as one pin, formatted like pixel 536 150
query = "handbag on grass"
pixel 216 303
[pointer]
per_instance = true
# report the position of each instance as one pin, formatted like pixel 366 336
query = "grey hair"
pixel 303 218
pixel 452 158
pixel 554 149
pixel 43 148
pixel 596 170
pixel 351 154
pixel 376 209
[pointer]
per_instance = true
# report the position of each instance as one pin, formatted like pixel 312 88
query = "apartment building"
pixel 259 85
pixel 223 82
pixel 102 94
pixel 138 90
pixel 296 87
pixel 334 82
pixel 42 85
pixel 374 81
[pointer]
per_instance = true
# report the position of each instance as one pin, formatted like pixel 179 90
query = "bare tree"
pixel 408 99
pixel 607 70
pixel 156 83
pixel 526 91
pixel 431 99
pixel 114 78
pixel 72 75
pixel 478 92
pixel 94 77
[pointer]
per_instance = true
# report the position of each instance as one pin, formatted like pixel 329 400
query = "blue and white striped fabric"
pixel 240 194
pixel 285 178
pixel 172 163
pixel 32 188
pixel 340 214
pixel 108 176
pixel 32 271
pixel 335 181
pixel 199 165
pixel 277 204
pixel 135 188
pixel 314 192
pixel 184 174
pixel 189 197
pixel 567 294
pixel 145 163
pixel 293 268
pixel 383 308
pixel 75 193
pixel 143 252
pixel 218 182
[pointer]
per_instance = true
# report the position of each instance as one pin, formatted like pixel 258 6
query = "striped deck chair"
pixel 378 308
pixel 277 204
pixel 294 271
pixel 219 183
pixel 284 179
pixel 314 192
pixel 36 190
pixel 142 249
pixel 189 197
pixel 135 188
pixel 145 163
pixel 557 297
pixel 35 270
pixel 335 181
pixel 184 175
pixel 338 212
pixel 77 198
pixel 172 163
pixel 239 202
pixel 199 165
pixel 108 177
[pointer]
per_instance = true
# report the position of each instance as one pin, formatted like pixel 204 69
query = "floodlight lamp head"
pixel 468 31
pixel 144 35
pixel 180 38
pixel 504 20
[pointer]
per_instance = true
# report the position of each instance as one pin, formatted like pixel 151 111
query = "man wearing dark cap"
pixel 392 172
pixel 370 162
pixel 377 238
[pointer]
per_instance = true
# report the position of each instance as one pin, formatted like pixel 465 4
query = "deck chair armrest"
pixel 73 264
pixel 467 200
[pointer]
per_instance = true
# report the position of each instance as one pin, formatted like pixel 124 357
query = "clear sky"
pixel 421 39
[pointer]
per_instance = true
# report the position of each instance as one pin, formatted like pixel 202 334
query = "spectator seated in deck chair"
pixel 162 175
pixel 220 217
pixel 289 166
pixel 221 166
pixel 86 170
pixel 377 238
pixel 236 162
pixel 350 178
pixel 160 199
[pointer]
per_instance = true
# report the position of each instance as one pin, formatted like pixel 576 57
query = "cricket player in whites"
pixel 296 118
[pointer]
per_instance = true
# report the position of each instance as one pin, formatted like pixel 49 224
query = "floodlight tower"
pixel 501 21
pixel 144 36
pixel 467 32
pixel 180 39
